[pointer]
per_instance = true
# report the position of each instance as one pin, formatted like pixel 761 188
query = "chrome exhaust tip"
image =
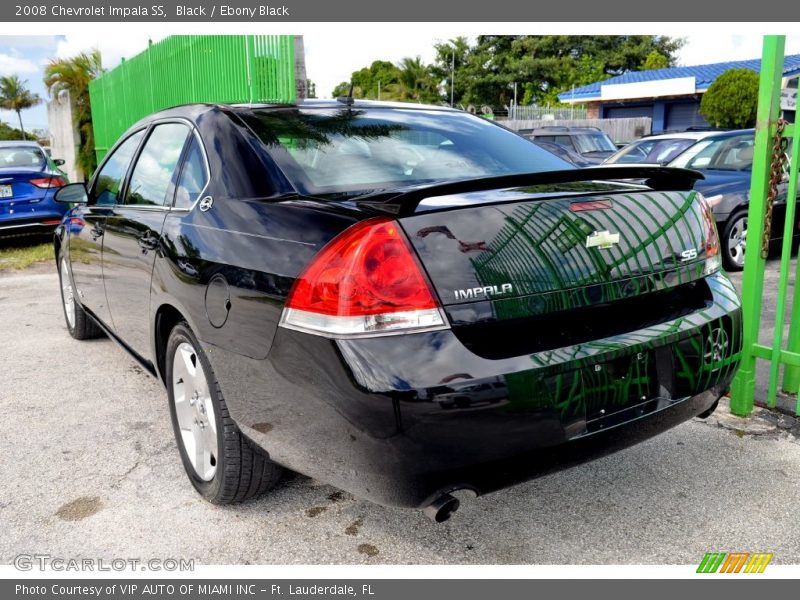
pixel 441 509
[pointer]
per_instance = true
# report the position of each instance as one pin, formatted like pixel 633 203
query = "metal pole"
pixel 743 387
pixel 783 278
pixel 791 373
pixel 453 77
pixel 379 90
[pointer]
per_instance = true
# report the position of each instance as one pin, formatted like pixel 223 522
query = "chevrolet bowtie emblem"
pixel 602 240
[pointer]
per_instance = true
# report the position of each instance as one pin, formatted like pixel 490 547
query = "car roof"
pixel 356 102
pixel 18 143
pixel 681 135
pixel 193 111
pixel 559 129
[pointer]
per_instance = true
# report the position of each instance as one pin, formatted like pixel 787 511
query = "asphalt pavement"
pixel 90 469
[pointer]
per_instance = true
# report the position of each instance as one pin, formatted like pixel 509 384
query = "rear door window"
pixel 193 177
pixel 153 175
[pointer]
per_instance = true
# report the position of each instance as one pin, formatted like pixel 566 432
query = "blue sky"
pixel 27 56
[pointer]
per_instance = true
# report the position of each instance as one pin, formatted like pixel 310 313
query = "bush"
pixel 732 99
pixel 11 133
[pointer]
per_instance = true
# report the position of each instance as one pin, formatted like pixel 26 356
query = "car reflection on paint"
pixel 472 396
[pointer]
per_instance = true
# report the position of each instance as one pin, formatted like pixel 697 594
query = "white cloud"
pixel 112 47
pixel 701 50
pixel 15 65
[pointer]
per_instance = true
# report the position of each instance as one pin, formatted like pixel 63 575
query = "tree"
pixel 655 60
pixel 545 66
pixel 15 96
pixel 451 56
pixel 732 100
pixel 73 75
pixel 10 133
pixel 372 82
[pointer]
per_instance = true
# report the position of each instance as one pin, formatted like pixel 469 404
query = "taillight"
pixel 49 182
pixel 365 281
pixel 713 256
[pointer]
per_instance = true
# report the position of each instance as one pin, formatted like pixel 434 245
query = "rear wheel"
pixel 223 465
pixel 79 324
pixel 734 237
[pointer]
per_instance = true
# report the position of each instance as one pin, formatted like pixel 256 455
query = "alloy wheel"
pixel 194 409
pixel 737 237
pixel 67 294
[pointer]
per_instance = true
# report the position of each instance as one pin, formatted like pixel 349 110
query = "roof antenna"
pixel 348 100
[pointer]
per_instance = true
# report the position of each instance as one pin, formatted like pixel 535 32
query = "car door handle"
pixel 148 242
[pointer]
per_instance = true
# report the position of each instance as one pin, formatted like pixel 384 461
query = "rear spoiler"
pixel 406 200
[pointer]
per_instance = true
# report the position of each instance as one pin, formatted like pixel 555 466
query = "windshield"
pixel 730 153
pixel 21 156
pixel 650 151
pixel 586 143
pixel 326 151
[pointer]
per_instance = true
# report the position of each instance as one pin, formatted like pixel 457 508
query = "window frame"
pixel 169 204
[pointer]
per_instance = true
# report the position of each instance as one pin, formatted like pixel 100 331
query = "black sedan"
pixel 399 300
pixel 726 161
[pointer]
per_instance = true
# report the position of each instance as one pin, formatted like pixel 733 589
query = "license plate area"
pixel 618 384
pixel 6 191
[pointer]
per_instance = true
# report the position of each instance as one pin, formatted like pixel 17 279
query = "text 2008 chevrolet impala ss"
pixel 399 300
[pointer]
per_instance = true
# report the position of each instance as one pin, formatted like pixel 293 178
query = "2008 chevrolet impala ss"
pixel 398 300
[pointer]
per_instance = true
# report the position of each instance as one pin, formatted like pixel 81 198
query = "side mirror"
pixel 58 161
pixel 72 193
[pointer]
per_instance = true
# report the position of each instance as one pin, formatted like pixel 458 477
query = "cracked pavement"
pixel 90 469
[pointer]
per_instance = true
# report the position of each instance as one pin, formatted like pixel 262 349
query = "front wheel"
pixel 221 463
pixel 734 237
pixel 79 324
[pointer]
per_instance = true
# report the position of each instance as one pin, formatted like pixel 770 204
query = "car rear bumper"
pixel 21 216
pixel 365 415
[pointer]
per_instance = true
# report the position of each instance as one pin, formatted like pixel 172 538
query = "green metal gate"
pixel 183 69
pixel 769 167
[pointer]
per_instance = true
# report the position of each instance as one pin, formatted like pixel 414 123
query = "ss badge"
pixel 689 254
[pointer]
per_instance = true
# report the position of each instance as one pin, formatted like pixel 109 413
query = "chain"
pixel 777 167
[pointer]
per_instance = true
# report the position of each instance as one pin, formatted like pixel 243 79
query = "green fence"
pixel 769 168
pixel 183 69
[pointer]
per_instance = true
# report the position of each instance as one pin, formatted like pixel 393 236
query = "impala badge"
pixel 602 239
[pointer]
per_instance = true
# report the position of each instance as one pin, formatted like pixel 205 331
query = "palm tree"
pixel 15 96
pixel 416 81
pixel 73 75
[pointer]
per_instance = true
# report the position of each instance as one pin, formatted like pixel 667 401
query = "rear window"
pixel 732 153
pixel 587 143
pixel 21 156
pixel 328 151
pixel 651 151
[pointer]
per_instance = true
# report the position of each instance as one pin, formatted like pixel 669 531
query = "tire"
pixel 79 324
pixel 226 467
pixel 733 239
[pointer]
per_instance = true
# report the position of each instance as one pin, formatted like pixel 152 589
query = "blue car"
pixel 29 179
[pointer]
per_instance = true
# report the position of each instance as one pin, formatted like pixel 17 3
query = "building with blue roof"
pixel 671 97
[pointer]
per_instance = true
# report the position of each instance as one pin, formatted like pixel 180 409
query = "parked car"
pixel 29 179
pixel 305 280
pixel 726 161
pixel 591 143
pixel 656 149
pixel 564 153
